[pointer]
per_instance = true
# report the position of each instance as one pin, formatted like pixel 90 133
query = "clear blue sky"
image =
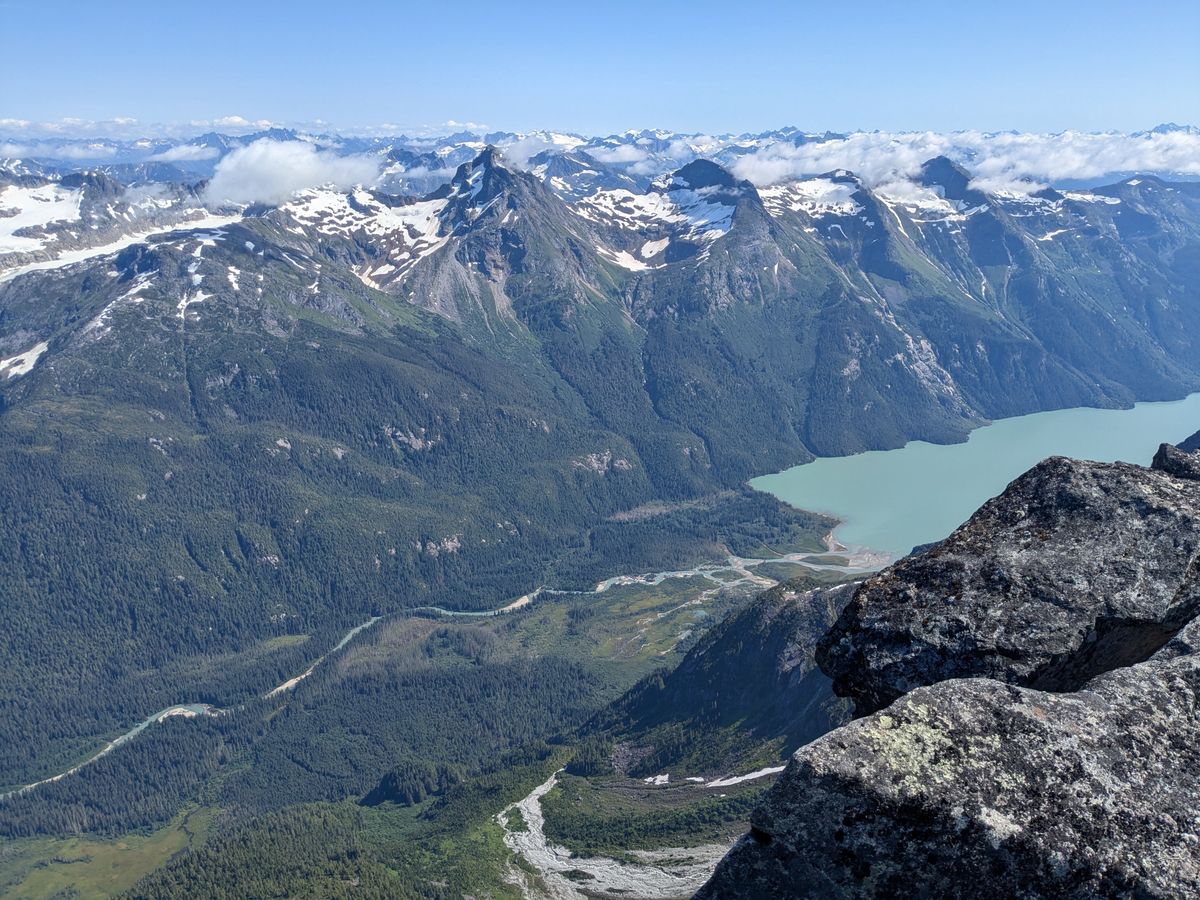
pixel 599 67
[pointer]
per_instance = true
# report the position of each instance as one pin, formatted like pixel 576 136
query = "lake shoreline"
pixel 893 500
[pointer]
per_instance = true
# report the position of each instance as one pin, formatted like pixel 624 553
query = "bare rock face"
pixel 1190 445
pixel 1078 567
pixel 1033 684
pixel 981 789
pixel 1177 461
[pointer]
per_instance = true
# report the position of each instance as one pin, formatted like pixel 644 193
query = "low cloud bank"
pixel 80 151
pixel 269 171
pixel 185 153
pixel 1010 161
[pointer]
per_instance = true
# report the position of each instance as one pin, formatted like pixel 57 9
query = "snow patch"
pixel 623 259
pixel 749 776
pixel 1053 234
pixel 695 215
pixel 76 256
pixel 1081 197
pixel 406 233
pixel 22 363
pixel 653 248
pixel 814 196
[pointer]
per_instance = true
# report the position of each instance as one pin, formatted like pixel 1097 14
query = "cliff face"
pixel 1043 732
pixel 1192 444
pixel 750 681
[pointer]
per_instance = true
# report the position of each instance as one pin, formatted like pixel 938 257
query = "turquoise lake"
pixel 892 500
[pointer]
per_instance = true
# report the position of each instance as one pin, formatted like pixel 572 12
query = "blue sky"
pixel 607 66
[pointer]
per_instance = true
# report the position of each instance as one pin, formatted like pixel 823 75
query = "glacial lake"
pixel 892 500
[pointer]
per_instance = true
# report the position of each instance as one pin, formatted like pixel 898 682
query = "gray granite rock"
pixel 1078 567
pixel 1177 462
pixel 1033 684
pixel 973 788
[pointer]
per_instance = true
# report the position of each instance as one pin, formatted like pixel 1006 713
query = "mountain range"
pixel 231 433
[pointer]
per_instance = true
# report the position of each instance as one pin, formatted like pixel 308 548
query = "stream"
pixel 188 710
pixel 858 561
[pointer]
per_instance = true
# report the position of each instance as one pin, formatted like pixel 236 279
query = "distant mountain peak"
pixel 954 181
pixel 489 158
pixel 1173 128
pixel 703 173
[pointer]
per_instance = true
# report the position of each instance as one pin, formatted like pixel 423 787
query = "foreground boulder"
pixel 1078 567
pixel 1033 684
pixel 977 788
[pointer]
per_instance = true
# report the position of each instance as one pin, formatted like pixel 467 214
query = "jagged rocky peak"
pixel 842 176
pixel 1032 684
pixel 950 179
pixel 480 180
pixel 489 157
pixel 481 194
pixel 703 173
pixel 1181 462
pixel 708 179
pixel 97 184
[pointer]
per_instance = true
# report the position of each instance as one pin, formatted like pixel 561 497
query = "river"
pixel 853 561
pixel 892 500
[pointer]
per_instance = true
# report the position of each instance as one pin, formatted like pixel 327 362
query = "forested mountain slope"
pixel 221 439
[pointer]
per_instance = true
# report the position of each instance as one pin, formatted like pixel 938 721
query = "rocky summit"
pixel 1032 684
pixel 1076 568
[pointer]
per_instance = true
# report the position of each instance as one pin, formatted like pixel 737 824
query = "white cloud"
pixel 463 126
pixel 426 172
pixel 518 153
pixel 269 171
pixel 58 151
pixel 875 157
pixel 238 122
pixel 185 153
pixel 622 153
pixel 1009 161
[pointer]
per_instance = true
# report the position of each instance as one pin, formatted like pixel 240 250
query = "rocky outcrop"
pixel 981 789
pixel 1190 445
pixel 1043 732
pixel 1078 567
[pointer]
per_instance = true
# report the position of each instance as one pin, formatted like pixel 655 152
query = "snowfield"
pixel 814 196
pixel 34 207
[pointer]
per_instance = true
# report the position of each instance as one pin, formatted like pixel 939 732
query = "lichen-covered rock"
pixel 1078 567
pixel 973 788
pixel 1034 689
